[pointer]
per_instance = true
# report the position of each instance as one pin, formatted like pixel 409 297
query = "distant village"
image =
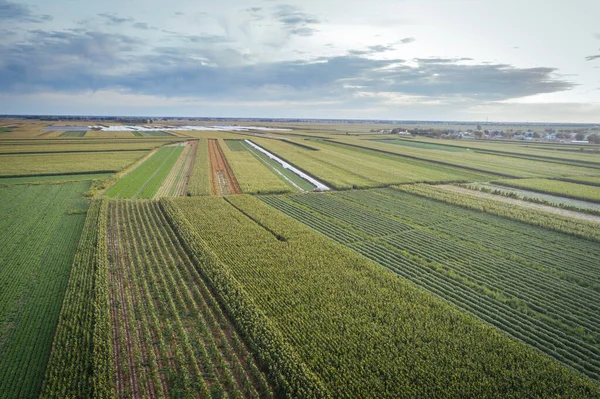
pixel 581 135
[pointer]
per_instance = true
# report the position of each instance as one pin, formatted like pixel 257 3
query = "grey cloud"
pixel 10 11
pixel 379 48
pixel 407 40
pixel 142 26
pixel 597 36
pixel 113 19
pixel 295 21
pixel 592 57
pixel 209 39
pixel 72 62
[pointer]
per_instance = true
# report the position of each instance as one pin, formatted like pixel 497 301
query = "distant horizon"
pixel 301 119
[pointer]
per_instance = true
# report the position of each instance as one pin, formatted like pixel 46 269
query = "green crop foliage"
pixel 145 180
pixel 199 183
pixel 576 227
pixel 39 237
pixel 186 345
pixel 71 364
pixel 20 165
pixel 344 167
pixel 52 179
pixel 255 174
pixel 503 164
pixel 79 133
pixel 565 189
pixel 363 331
pixel 506 273
pixel 562 153
pixel 589 180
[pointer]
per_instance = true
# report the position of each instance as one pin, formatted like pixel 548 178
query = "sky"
pixel 465 60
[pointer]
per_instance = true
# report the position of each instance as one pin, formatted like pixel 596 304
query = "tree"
pixel 594 139
pixel 478 127
pixel 536 135
pixel 579 136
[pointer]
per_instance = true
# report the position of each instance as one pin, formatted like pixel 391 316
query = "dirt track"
pixel 223 180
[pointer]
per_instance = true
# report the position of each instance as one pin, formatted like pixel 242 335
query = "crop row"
pixel 52 163
pixel 561 188
pixel 70 368
pixel 37 245
pixel 170 336
pixel 360 329
pixel 343 167
pixel 199 183
pixel 253 174
pixel 552 301
pixel 144 181
pixel 552 221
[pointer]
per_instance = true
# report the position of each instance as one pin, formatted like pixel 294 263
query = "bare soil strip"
pixel 525 204
pixel 223 180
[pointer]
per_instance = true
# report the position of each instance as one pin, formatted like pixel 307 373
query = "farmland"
pixel 73 162
pixel 199 182
pixel 566 189
pixel 137 264
pixel 500 164
pixel 169 334
pixel 222 179
pixel 40 231
pixel 145 180
pixel 336 166
pixel 537 197
pixel 301 279
pixel 437 247
pixel 253 175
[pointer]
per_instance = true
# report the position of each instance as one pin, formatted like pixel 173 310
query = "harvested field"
pixel 223 181
pixel 175 185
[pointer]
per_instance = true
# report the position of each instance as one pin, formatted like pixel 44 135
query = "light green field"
pixel 343 167
pixel 145 180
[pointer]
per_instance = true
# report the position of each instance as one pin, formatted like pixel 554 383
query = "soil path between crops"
pixel 525 204
pixel 223 180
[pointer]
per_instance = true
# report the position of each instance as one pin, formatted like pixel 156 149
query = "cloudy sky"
pixel 510 60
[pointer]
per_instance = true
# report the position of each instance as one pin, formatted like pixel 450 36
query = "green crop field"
pixel 75 162
pixel 199 183
pixel 420 144
pixel 498 270
pixel 154 133
pixel 74 133
pixel 40 229
pixel 563 154
pixel 129 269
pixel 52 179
pixel 253 173
pixel 500 164
pixel 145 180
pixel 345 315
pixel 566 189
pixel 589 180
pixel 344 167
